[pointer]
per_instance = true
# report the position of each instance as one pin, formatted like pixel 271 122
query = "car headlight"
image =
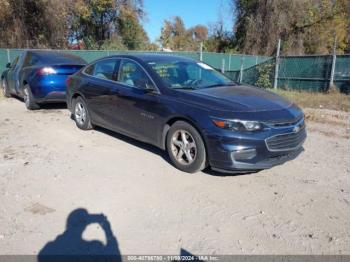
pixel 238 125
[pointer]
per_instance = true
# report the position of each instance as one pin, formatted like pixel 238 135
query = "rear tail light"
pixel 47 71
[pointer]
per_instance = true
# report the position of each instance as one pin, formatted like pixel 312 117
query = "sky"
pixel 193 12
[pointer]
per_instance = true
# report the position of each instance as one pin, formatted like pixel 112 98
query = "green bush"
pixel 264 75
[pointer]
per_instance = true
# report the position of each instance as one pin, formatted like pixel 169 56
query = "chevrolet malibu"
pixel 199 116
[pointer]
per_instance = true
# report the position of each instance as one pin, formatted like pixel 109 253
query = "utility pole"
pixel 334 59
pixel 277 64
pixel 334 56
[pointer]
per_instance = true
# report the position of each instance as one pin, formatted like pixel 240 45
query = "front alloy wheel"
pixel 183 147
pixel 186 148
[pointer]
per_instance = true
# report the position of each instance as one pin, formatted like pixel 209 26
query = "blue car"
pixel 189 109
pixel 39 76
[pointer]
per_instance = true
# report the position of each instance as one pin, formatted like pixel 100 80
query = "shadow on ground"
pixel 70 245
pixel 162 153
pixel 46 106
pixel 148 147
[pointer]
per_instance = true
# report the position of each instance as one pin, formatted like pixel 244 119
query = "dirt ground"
pixel 49 169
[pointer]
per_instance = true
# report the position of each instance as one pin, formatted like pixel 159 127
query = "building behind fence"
pixel 313 73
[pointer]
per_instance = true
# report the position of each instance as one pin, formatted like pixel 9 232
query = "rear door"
pixel 101 90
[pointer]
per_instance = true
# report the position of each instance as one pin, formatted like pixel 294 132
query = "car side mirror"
pixel 145 85
pixel 8 65
pixel 150 87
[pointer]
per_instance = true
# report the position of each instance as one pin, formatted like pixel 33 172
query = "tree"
pixel 305 26
pixel 58 24
pixel 98 21
pixel 175 36
pixel 219 39
pixel 33 23
pixel 131 31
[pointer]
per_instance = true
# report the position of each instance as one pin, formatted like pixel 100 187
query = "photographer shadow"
pixel 70 246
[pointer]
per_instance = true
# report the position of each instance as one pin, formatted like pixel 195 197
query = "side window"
pixel 14 62
pixel 30 60
pixel 131 74
pixel 105 69
pixel 194 72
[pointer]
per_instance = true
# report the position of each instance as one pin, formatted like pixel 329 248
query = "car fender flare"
pixel 171 120
pixel 73 96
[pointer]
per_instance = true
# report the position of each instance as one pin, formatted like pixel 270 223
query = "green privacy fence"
pixel 226 62
pixel 295 72
pixel 311 73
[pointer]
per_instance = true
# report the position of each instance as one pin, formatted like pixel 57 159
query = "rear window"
pixel 59 58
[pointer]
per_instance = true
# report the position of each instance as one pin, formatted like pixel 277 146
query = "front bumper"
pixel 231 152
pixel 263 164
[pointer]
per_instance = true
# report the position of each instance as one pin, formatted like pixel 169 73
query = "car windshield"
pixel 188 75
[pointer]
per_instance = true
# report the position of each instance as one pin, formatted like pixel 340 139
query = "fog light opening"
pixel 244 154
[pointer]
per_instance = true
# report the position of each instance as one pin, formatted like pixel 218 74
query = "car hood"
pixel 237 99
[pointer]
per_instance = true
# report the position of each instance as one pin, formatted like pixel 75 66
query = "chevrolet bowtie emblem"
pixel 296 129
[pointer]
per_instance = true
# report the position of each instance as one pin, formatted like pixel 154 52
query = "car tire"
pixel 29 98
pixel 5 89
pixel 81 114
pixel 186 148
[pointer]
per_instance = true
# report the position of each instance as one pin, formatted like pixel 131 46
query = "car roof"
pixel 152 57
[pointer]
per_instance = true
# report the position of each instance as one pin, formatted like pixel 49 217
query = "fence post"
pixel 229 62
pixel 8 56
pixel 223 66
pixel 201 52
pixel 241 70
pixel 334 59
pixel 277 64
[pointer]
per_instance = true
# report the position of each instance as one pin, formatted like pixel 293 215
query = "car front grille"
pixel 286 142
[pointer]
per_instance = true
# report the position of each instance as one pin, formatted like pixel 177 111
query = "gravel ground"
pixel 49 168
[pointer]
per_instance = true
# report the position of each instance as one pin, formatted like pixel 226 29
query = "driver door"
pixel 140 103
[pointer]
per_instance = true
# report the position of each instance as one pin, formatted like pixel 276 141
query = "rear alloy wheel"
pixel 29 99
pixel 186 148
pixel 81 114
pixel 5 90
